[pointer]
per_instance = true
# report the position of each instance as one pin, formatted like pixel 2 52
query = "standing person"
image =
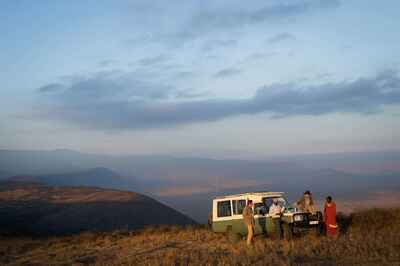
pixel 330 217
pixel 248 218
pixel 275 211
pixel 306 203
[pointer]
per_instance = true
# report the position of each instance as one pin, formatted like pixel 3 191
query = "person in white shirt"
pixel 275 212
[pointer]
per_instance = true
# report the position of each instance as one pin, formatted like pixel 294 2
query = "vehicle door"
pixel 222 215
pixel 260 219
pixel 238 225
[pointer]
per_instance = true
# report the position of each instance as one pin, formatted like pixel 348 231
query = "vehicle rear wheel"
pixel 287 231
pixel 232 236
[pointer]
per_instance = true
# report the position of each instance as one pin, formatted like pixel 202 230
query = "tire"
pixel 287 231
pixel 232 236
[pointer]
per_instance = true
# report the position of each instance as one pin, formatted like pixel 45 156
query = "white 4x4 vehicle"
pixel 227 215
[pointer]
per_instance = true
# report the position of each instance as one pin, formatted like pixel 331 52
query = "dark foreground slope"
pixel 37 209
pixel 367 238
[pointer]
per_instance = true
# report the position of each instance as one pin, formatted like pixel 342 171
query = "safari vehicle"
pixel 227 215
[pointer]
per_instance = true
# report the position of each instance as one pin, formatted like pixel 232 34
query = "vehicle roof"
pixel 257 193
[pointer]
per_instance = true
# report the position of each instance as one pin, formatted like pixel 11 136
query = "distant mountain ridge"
pixel 36 209
pixel 39 162
pixel 95 177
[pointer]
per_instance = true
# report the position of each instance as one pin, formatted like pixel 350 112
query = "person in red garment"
pixel 330 217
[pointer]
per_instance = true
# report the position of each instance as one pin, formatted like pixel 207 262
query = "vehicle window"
pixel 259 208
pixel 224 208
pixel 281 202
pixel 238 206
pixel 267 202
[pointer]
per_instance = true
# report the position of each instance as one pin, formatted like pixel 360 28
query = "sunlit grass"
pixel 367 238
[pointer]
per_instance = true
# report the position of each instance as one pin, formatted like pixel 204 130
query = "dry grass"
pixel 367 238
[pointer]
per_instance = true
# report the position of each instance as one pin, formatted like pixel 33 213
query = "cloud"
pixel 149 61
pixel 52 87
pixel 208 21
pixel 323 75
pixel 257 57
pixel 189 93
pixel 104 104
pixel 223 19
pixel 107 63
pixel 215 44
pixel 184 74
pixel 227 72
pixel 281 37
pixel 103 87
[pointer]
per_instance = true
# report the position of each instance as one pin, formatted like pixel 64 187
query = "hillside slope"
pixel 35 209
pixel 367 238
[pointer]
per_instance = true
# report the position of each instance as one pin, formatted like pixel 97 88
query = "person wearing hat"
pixel 306 203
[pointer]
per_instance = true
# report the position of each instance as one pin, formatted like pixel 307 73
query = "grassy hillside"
pixel 367 238
pixel 35 209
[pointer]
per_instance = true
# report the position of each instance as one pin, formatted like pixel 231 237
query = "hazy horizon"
pixel 249 157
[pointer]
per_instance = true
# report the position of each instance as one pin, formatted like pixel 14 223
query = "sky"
pixel 222 79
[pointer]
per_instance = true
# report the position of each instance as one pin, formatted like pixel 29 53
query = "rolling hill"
pixel 37 209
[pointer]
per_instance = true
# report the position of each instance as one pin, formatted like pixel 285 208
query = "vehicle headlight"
pixel 298 218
